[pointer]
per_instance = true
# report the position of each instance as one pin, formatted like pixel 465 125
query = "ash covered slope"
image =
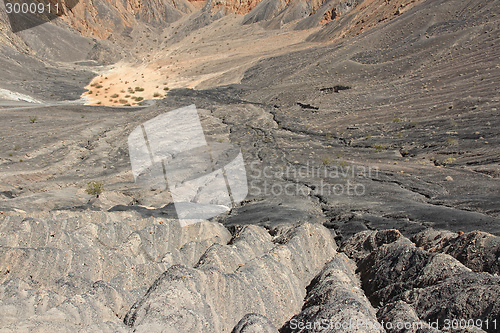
pixel 422 107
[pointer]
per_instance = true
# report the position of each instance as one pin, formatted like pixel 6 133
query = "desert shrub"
pixel 326 161
pixel 166 88
pixel 33 119
pixel 156 94
pixel 449 160
pixel 123 101
pixel 94 188
pixel 342 164
pixel 139 89
pixel 115 96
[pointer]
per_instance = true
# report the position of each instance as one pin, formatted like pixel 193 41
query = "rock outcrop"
pixel 335 302
pixel 477 250
pixel 252 274
pixel 117 272
pixel 416 132
pixel 62 271
pixel 438 287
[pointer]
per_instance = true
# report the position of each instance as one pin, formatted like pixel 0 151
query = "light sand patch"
pixel 125 85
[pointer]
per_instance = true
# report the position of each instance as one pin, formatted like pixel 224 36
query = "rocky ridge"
pixel 407 110
pixel 67 271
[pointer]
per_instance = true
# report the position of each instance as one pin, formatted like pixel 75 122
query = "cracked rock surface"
pixel 371 146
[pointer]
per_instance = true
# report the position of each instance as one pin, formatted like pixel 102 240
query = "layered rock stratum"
pixel 369 131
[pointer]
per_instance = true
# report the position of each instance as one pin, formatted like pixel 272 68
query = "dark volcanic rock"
pixel 394 268
pixel 335 302
pixel 437 286
pixel 400 313
pixel 418 129
pixel 477 250
pixel 363 243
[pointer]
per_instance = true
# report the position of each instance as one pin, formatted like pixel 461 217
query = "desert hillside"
pixel 369 134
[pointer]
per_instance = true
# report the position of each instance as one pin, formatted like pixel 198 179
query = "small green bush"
pixel 139 89
pixel 449 160
pixel 156 94
pixel 380 147
pixel 94 188
pixel 115 96
pixel 33 119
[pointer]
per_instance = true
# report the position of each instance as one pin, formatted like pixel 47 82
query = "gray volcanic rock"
pixel 64 270
pixel 417 132
pixel 265 10
pixel 335 302
pixel 213 298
